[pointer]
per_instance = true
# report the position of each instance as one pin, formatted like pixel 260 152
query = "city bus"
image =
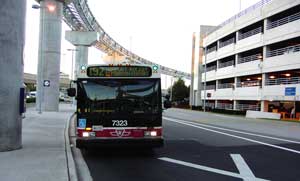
pixel 118 105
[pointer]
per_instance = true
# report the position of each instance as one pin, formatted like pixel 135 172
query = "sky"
pixel 157 30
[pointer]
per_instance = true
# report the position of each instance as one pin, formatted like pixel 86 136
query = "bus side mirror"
pixel 71 92
pixel 167 104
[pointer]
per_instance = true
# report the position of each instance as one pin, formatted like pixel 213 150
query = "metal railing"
pixel 244 107
pixel 242 13
pixel 285 50
pixel 211 49
pixel 224 106
pixel 249 83
pixel 209 104
pixel 210 68
pixel 227 42
pixel 283 81
pixel 225 85
pixel 283 21
pixel 250 33
pixel 226 64
pixel 210 87
pixel 249 58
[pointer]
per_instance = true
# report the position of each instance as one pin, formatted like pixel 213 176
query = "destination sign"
pixel 119 71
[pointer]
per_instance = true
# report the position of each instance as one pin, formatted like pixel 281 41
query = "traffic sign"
pixel 46 83
pixel 290 91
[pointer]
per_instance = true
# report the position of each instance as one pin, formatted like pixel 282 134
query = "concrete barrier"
pixel 266 115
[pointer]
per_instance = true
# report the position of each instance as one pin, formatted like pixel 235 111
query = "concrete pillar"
pixel 49 55
pixel 82 41
pixel 266 21
pixel 236 59
pixel 12 37
pixel 216 103
pixel 234 104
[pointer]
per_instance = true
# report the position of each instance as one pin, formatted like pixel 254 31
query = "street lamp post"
pixel 72 68
pixel 204 87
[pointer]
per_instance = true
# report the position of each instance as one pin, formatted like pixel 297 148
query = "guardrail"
pixel 250 33
pixel 283 21
pixel 285 50
pixel 226 64
pixel 224 106
pixel 225 85
pixel 249 58
pixel 244 107
pixel 283 81
pixel 249 83
pixel 227 42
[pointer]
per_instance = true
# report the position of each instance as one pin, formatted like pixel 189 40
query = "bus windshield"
pixel 120 95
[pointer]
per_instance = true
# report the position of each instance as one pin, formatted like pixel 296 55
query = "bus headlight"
pixel 153 133
pixel 85 134
pixel 150 133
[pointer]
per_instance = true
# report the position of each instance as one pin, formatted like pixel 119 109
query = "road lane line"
pixel 242 166
pixel 231 135
pixel 209 169
pixel 235 131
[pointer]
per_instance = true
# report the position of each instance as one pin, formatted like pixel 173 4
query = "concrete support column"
pixel 82 41
pixel 216 103
pixel 234 104
pixel 81 58
pixel 265 50
pixel 236 59
pixel 12 37
pixel 49 55
pixel 237 36
pixel 266 21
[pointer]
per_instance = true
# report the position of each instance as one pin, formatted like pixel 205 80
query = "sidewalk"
pixel 43 156
pixel 283 129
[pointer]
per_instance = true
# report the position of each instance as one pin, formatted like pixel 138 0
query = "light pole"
pixel 204 87
pixel 72 68
pixel 171 97
pixel 40 77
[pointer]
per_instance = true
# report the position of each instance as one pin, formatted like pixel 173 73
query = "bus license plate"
pixel 97 128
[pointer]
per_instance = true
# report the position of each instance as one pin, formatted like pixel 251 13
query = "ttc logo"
pixel 119 133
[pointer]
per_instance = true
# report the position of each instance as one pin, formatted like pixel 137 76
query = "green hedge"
pixel 30 100
pixel 225 111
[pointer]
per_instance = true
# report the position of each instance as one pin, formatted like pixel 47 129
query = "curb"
pixel 72 173
pixel 82 170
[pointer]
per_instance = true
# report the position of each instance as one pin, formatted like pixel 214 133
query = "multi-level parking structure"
pixel 252 60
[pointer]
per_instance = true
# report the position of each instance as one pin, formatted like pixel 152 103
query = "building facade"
pixel 252 61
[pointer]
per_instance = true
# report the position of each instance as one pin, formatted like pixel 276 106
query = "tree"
pixel 180 90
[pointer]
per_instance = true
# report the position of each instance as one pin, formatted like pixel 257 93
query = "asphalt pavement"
pixel 205 146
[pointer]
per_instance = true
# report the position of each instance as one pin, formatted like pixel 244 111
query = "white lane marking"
pixel 242 166
pixel 235 131
pixel 239 137
pixel 209 169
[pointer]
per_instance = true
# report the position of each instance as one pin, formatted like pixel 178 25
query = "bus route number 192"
pixel 119 122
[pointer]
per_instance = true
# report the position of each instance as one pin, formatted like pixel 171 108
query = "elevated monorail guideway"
pixel 78 16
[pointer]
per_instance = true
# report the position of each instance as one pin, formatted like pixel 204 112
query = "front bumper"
pixel 98 142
